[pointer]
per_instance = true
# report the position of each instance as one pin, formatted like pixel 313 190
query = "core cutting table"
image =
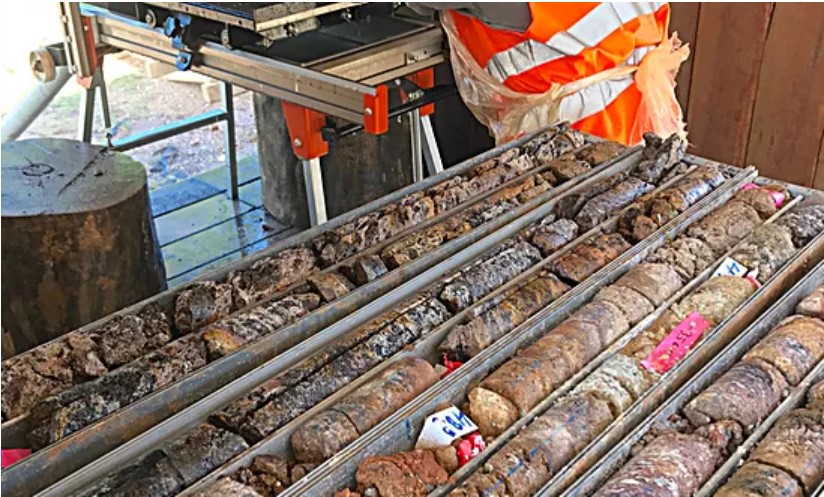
pixel 321 60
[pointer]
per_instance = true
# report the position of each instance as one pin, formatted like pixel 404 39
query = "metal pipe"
pixel 86 445
pixel 431 152
pixel 399 430
pixel 229 142
pixel 17 121
pixel 169 130
pixel 315 197
pixel 589 482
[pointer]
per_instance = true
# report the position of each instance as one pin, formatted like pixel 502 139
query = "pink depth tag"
pixel 752 277
pixel 470 447
pixel 778 197
pixel 11 456
pixel 450 366
pixel 676 345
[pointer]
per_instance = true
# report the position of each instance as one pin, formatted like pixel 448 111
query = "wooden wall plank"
pixel 788 118
pixel 818 183
pixel 684 21
pixel 724 78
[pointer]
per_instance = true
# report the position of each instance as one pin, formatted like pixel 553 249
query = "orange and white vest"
pixel 569 41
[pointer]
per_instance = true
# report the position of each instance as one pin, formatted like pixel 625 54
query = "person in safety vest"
pixel 608 68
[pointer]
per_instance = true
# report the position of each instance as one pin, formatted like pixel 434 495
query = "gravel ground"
pixel 139 103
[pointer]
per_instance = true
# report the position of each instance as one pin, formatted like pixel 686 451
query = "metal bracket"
pixel 78 39
pixel 175 28
pixel 183 61
pixel 416 55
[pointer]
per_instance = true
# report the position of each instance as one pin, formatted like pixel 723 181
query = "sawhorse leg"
pixel 431 153
pixel 424 146
pixel 315 198
pixel 417 146
pixel 305 127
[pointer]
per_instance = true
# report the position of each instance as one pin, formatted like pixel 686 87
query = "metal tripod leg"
pixel 100 82
pixel 86 116
pixel 87 104
pixel 314 191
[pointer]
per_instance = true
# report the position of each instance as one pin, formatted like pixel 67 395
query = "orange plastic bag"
pixel 509 114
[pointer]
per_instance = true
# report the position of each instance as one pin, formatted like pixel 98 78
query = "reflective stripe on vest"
pixel 597 97
pixel 587 33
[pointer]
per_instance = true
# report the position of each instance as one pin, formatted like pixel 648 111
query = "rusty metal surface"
pixel 123 435
pixel 426 347
pixel 399 431
pixel 589 482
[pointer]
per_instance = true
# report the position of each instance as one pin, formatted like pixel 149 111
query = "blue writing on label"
pixel 457 424
pixel 464 419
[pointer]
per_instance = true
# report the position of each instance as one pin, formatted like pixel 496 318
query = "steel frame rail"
pixel 335 89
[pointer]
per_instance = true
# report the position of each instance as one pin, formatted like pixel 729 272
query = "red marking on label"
pixel 11 456
pixel 752 277
pixel 675 346
pixel 470 447
pixel 778 197
pixel 450 366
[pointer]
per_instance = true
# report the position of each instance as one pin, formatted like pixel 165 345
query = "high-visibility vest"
pixel 568 41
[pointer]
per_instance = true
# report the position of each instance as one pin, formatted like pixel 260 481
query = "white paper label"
pixel 730 267
pixel 444 427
